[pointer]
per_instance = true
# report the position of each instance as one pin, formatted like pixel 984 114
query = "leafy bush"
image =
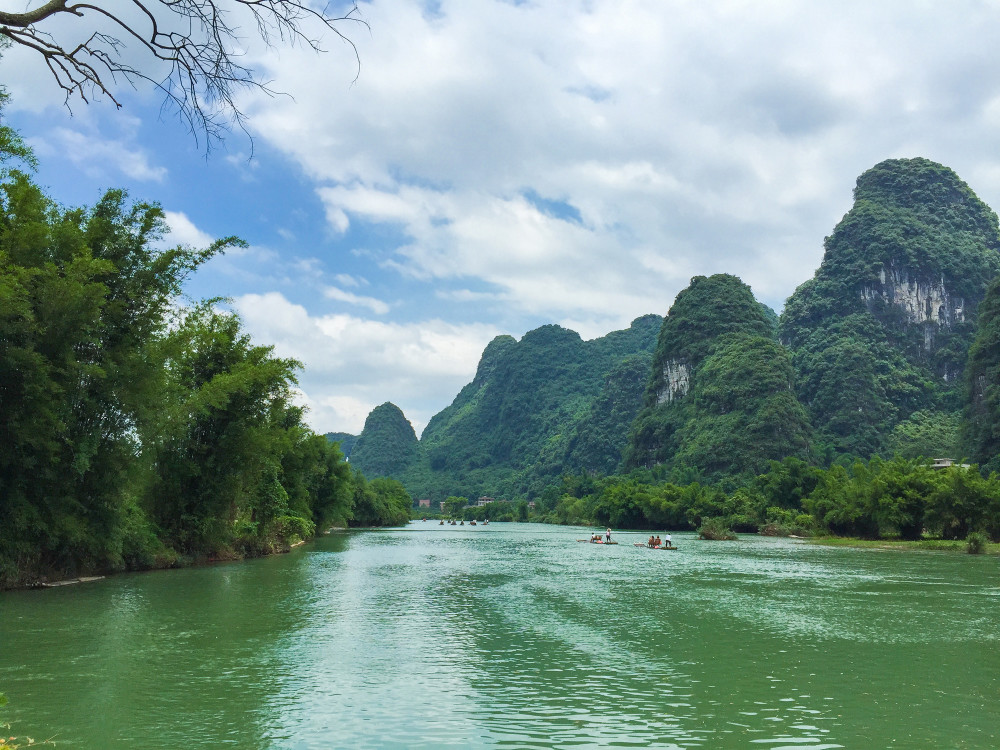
pixel 975 543
pixel 716 528
pixel 295 527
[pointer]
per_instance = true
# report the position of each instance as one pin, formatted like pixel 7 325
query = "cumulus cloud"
pixel 680 138
pixel 98 156
pixel 184 232
pixel 377 306
pixel 499 165
pixel 354 364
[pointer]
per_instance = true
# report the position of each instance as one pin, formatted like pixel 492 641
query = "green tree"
pixel 381 502
pixel 219 440
pixel 85 294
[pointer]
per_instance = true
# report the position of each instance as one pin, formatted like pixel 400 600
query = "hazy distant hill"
pixel 881 334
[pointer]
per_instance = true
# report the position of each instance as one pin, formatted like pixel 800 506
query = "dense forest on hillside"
pixel 536 408
pixel 719 399
pixel 867 362
pixel 880 335
pixel 135 433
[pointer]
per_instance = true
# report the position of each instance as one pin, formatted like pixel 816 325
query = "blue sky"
pixel 495 166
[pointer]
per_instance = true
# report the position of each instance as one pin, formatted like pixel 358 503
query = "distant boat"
pixel 651 546
pixel 472 522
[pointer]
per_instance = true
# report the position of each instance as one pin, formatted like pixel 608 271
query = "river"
pixel 515 635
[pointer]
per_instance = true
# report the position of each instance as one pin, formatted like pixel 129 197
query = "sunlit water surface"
pixel 515 635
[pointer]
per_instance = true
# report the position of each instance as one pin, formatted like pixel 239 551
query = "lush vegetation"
pixel 877 499
pixel 388 445
pixel 345 440
pixel 135 433
pixel 882 331
pixel 983 383
pixel 719 400
pixel 535 407
pixel 817 422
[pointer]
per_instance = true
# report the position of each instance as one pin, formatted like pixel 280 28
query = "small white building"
pixel 945 463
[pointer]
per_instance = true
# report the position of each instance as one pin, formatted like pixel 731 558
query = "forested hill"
pixel 388 445
pixel 879 337
pixel 868 358
pixel 720 399
pixel 537 407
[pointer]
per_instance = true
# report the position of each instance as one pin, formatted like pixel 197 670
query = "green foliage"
pixel 220 437
pixel 975 543
pixel 535 408
pixel 866 354
pixel 720 399
pixel 716 529
pixel 381 502
pixel 12 146
pixel 596 442
pixel 128 440
pixel 345 439
pixel 927 433
pixel 455 505
pixel 963 501
pixel 387 445
pixel 982 382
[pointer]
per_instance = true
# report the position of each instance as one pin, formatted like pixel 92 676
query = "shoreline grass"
pixel 925 545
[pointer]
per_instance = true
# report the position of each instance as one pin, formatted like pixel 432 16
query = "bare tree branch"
pixel 194 39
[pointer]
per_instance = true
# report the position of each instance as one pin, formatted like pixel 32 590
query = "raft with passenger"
pixel 654 546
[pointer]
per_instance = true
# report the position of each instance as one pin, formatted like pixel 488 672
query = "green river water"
pixel 515 635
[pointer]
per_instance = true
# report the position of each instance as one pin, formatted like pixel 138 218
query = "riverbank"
pixel 924 545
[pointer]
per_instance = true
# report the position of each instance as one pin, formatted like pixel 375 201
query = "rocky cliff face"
pixel 675 382
pixel 923 304
pixel 919 300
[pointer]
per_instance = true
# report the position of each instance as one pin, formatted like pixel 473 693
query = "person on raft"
pixel 668 543
pixel 656 542
pixel 651 542
pixel 608 536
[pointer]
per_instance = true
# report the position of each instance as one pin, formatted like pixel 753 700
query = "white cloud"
pixel 377 306
pixel 184 232
pixel 560 160
pixel 353 364
pixel 97 156
pixel 677 138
